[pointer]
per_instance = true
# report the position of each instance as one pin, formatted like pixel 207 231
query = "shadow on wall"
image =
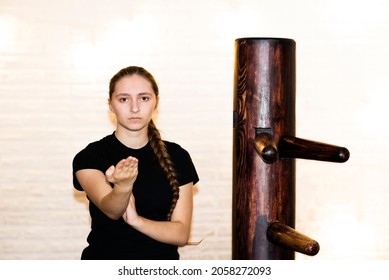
pixel 80 197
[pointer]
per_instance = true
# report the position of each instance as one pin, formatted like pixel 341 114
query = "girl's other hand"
pixel 131 216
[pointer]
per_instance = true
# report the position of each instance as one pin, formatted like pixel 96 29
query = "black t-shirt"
pixel 115 239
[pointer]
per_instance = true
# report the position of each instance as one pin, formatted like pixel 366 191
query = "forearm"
pixel 176 231
pixel 114 204
pixel 170 232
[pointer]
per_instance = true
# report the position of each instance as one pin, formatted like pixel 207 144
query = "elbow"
pixel 182 243
pixel 113 215
pixel 183 240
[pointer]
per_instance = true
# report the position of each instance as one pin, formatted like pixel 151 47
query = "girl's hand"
pixel 124 174
pixel 131 216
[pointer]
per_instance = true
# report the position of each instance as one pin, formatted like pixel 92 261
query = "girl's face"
pixel 133 102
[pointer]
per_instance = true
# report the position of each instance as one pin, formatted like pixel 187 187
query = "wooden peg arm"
pixel 289 238
pixel 293 147
pixel 266 147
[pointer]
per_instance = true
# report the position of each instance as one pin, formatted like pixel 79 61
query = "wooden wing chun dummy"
pixel 264 152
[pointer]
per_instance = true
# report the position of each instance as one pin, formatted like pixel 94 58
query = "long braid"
pixel 163 156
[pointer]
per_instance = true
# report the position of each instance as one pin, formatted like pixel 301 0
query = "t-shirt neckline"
pixel 129 148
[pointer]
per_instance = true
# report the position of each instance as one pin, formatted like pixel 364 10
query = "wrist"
pixel 136 222
pixel 122 187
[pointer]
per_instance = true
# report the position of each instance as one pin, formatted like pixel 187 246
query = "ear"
pixel 157 101
pixel 109 105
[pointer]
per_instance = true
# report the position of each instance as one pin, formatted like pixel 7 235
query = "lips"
pixel 135 119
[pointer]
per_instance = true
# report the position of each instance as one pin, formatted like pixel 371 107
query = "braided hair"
pixel 156 142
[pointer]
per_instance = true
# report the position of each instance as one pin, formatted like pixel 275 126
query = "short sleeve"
pixel 85 159
pixel 183 164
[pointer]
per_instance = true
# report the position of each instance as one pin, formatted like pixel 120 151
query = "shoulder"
pixel 175 150
pixel 101 144
pixel 182 162
pixel 172 145
pixel 93 152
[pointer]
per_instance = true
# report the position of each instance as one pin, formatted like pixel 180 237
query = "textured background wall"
pixel 56 58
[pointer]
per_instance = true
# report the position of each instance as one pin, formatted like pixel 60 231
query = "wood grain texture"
pixel 293 147
pixel 264 151
pixel 288 237
pixel 264 100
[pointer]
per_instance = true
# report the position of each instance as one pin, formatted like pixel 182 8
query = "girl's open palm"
pixel 124 173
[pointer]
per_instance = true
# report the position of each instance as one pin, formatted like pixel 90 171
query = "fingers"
pixel 109 173
pixel 131 214
pixel 125 171
pixel 127 164
pixel 131 163
pixel 132 200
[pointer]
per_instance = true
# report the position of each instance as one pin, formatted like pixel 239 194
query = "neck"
pixel 132 139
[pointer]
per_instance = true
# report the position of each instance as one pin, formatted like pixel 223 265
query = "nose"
pixel 134 107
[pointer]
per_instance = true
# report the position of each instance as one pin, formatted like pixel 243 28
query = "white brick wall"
pixel 56 58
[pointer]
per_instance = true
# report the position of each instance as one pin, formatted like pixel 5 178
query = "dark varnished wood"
pixel 264 100
pixel 293 147
pixel 288 237
pixel 266 147
pixel 264 152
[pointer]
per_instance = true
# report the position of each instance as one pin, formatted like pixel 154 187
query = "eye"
pixel 123 99
pixel 144 98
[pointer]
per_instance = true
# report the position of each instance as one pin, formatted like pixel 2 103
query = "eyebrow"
pixel 128 94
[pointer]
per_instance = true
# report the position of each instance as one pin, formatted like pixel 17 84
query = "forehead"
pixel 133 84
